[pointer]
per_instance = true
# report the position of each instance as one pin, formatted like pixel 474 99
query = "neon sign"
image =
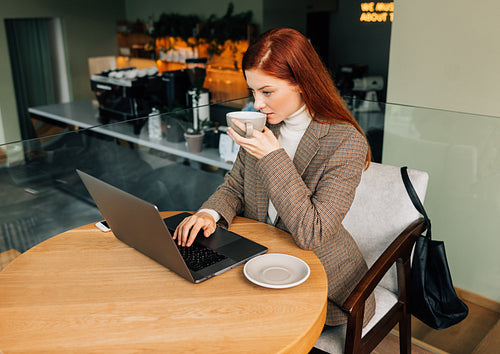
pixel 377 12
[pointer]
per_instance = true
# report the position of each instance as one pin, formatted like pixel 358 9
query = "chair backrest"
pixel 381 210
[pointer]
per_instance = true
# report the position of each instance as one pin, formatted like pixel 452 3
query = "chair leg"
pixel 353 331
pixel 404 275
pixel 405 334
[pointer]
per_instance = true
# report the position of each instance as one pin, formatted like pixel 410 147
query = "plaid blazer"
pixel 311 194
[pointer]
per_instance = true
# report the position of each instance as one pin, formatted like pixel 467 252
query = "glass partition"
pixel 42 196
pixel 461 153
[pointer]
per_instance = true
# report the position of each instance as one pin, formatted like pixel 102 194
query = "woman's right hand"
pixel 188 229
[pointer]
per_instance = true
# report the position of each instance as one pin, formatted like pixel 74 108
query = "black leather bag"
pixel 433 299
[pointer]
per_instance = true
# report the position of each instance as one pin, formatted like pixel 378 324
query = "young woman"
pixel 300 174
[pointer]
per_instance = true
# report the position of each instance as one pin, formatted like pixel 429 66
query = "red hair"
pixel 288 55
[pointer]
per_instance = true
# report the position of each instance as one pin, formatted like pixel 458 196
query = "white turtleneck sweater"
pixel 291 131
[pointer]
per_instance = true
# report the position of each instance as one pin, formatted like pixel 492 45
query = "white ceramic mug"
pixel 252 120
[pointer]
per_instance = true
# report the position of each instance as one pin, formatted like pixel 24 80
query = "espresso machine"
pixel 129 93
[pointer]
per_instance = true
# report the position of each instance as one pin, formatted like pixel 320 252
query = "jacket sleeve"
pixel 312 207
pixel 228 199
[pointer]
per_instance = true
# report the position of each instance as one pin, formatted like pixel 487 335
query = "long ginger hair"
pixel 288 55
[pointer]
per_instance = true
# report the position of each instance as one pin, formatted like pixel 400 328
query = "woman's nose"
pixel 258 103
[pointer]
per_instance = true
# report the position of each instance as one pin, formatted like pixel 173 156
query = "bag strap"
pixel 414 199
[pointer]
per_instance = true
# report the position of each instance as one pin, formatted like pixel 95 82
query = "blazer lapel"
pixel 275 128
pixel 309 145
pixel 306 150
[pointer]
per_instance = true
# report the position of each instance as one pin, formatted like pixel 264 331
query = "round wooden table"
pixel 85 291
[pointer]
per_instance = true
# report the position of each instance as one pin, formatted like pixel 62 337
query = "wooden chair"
pixel 385 225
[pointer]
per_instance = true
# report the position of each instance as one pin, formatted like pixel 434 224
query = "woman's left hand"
pixel 259 145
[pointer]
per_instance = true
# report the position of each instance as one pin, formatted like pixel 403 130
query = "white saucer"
pixel 276 270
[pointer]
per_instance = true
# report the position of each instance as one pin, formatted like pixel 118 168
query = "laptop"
pixel 139 224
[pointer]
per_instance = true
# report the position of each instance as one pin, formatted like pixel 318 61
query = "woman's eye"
pixel 250 92
pixel 266 93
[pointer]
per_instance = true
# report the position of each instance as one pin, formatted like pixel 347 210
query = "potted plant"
pixel 200 117
pixel 175 25
pixel 194 140
pixel 231 26
pixel 182 125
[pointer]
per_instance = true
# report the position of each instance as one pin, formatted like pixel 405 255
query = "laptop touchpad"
pixel 218 239
pixel 241 250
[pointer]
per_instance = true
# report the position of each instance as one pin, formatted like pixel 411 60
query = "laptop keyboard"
pixel 198 257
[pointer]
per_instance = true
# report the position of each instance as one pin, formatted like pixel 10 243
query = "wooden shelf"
pixel 133 40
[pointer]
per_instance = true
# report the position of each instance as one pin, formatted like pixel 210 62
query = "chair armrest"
pixel 401 247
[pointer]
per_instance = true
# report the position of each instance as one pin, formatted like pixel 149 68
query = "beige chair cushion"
pixel 381 210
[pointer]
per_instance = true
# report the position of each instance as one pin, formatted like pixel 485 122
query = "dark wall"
pixel 355 42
